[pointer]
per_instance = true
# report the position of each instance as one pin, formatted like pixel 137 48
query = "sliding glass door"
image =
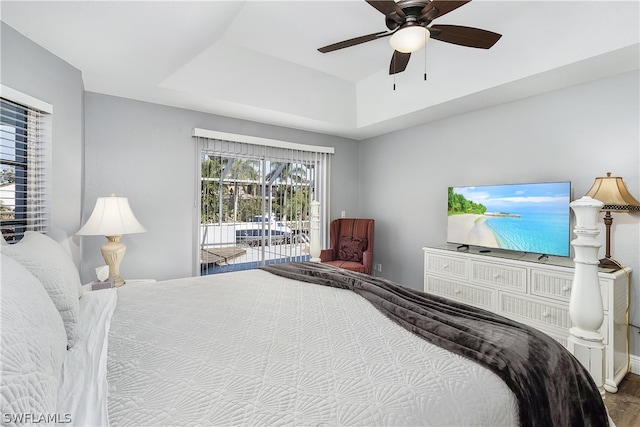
pixel 254 206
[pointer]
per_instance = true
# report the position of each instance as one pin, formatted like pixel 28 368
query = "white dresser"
pixel 531 291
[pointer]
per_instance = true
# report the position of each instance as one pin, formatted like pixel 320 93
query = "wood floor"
pixel 624 406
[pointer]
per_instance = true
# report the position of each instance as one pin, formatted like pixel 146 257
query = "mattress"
pixel 252 348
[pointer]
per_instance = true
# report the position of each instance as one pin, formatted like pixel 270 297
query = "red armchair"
pixel 351 244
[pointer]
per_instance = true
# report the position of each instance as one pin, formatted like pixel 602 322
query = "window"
pixel 254 200
pixel 24 136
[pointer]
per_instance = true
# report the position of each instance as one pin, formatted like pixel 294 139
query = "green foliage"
pixel 458 204
pixel 209 193
pixel 298 204
pixel 7 175
pixel 238 196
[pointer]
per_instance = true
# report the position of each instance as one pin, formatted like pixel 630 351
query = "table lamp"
pixel 112 217
pixel 612 191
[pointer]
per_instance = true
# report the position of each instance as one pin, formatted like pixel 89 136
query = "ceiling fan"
pixel 408 22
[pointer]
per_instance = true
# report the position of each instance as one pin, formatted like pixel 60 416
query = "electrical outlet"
pixel 379 267
pixel 343 214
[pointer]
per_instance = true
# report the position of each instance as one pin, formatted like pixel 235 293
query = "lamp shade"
pixel 112 216
pixel 612 191
pixel 409 39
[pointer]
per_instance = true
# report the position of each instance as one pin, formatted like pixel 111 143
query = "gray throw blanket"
pixel 551 386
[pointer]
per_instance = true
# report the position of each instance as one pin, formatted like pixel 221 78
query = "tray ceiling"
pixel 258 60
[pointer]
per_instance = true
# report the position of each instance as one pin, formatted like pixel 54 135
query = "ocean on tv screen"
pixel 520 217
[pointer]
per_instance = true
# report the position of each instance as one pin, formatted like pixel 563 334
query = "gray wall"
pixel 146 152
pixel 573 134
pixel 32 70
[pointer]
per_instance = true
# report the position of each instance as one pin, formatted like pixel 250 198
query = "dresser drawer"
pixel 508 277
pixel 473 295
pixel 551 284
pixel 448 266
pixel 532 311
pixel 558 285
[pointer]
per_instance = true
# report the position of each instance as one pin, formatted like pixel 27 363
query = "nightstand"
pixel 87 287
pixel 138 281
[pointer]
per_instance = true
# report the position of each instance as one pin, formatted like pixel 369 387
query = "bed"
pixel 289 344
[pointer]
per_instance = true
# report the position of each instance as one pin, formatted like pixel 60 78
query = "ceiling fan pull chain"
pixel 394 71
pixel 425 60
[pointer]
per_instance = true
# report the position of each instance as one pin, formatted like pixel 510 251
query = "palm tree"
pixel 286 174
pixel 241 170
pixel 210 193
pixel 298 204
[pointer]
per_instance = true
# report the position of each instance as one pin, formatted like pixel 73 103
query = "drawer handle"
pixel 546 314
pixel 566 288
pixel 496 276
pixel 445 266
pixel 457 291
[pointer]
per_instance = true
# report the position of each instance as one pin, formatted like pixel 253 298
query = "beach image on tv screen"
pixel 520 217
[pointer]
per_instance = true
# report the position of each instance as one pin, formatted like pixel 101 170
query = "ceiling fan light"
pixel 409 39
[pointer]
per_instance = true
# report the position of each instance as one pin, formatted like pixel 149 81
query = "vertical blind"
pixel 254 199
pixel 24 154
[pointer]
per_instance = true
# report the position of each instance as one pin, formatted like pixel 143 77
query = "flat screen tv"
pixel 519 217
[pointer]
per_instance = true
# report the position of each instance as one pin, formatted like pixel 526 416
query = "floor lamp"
pixel 112 217
pixel 612 191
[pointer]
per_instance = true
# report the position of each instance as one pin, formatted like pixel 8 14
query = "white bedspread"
pixel 251 348
pixel 83 382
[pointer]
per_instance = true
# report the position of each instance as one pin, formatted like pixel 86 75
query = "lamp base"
pixel 608 263
pixel 113 251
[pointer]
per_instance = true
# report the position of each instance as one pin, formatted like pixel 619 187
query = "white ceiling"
pixel 258 60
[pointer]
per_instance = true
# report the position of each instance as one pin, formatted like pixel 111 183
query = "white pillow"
pixel 33 347
pixel 53 267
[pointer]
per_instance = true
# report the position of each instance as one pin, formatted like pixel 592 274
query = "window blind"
pixel 254 198
pixel 24 173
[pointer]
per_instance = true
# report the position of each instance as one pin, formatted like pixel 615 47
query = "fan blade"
pixel 464 36
pixel 399 62
pixel 442 7
pixel 353 41
pixel 386 7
